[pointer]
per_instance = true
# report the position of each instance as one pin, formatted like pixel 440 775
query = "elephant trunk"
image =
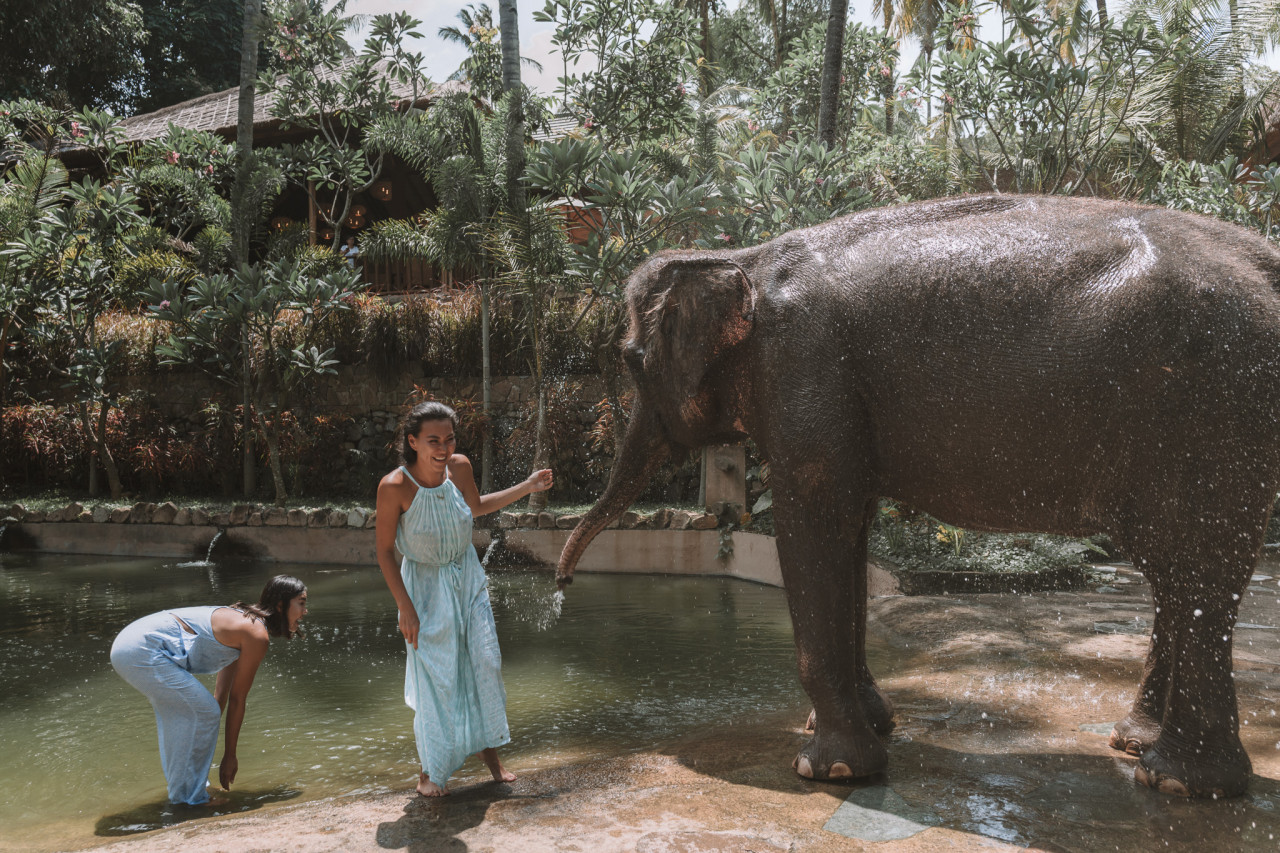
pixel 644 449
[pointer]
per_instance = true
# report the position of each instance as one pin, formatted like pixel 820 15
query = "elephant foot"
pixel 841 759
pixel 1204 773
pixel 1135 734
pixel 876 707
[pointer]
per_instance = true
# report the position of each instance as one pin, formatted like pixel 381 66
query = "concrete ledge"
pixel 678 552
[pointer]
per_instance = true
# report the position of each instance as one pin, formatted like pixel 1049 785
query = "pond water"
pixel 631 661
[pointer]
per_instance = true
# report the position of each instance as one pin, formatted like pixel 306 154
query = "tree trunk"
pixel 4 345
pixel 1102 12
pixel 889 105
pixel 486 385
pixel 104 453
pixel 705 80
pixel 538 500
pixel 273 454
pixel 832 56
pixel 87 425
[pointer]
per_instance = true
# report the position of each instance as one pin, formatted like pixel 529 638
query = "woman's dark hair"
pixel 432 410
pixel 272 608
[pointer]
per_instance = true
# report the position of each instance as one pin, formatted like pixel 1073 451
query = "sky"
pixel 444 58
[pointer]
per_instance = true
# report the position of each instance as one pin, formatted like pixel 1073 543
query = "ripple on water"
pixel 621 663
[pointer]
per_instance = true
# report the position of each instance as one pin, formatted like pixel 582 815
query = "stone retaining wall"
pixel 662 542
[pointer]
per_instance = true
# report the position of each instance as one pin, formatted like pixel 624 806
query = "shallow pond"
pixel 630 661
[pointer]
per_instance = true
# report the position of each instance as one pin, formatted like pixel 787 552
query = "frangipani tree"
pixel 281 307
pixel 345 97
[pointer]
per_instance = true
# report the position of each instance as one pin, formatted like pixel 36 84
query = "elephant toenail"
pixel 1173 787
pixel 840 770
pixel 803 767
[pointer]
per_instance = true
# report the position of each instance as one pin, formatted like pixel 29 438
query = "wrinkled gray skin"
pixel 1005 363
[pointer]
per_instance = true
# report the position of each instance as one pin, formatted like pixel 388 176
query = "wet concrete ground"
pixel 1003 707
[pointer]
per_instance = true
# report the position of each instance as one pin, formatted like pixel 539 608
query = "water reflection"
pixel 631 661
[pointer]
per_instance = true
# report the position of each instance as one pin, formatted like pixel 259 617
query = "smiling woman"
pixel 162 653
pixel 453 678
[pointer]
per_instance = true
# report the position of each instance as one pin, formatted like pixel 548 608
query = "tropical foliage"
pixel 692 125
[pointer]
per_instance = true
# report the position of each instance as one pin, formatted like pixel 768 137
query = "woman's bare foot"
pixel 427 788
pixel 491 760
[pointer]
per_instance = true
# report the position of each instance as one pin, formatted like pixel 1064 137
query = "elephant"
pixel 1006 363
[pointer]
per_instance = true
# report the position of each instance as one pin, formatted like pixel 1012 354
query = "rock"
pixel 140 513
pixel 120 515
pixel 706 521
pixel 318 518
pixel 276 517
pixel 372 520
pixel 164 513
pixel 628 520
pixel 255 519
pixel 356 518
pixel 660 519
pixel 567 522
pixel 101 513
pixel 297 518
pixel 35 516
pixel 240 514
pixel 72 511
pixel 527 520
pixel 546 521
pixel 85 517
pixel 220 519
pixel 680 520
pixel 17 512
pixel 199 516
pixel 183 517
pixel 337 519
pixel 507 520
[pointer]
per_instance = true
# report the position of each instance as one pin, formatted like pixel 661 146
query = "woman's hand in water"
pixel 540 481
pixel 227 770
pixel 409 627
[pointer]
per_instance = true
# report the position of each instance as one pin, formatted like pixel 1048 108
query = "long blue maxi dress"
pixel 453 680
pixel 157 655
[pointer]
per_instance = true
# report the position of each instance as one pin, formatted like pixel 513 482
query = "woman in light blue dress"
pixel 161 655
pixel 453 675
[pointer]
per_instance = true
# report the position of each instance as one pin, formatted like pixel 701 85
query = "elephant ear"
pixel 705 308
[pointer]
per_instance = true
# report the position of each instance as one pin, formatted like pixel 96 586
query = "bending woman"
pixel 453 677
pixel 158 654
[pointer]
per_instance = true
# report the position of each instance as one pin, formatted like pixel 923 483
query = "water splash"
pixel 494 541
pixel 527 600
pixel 208 556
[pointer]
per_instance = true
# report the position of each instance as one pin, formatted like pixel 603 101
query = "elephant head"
pixel 690 317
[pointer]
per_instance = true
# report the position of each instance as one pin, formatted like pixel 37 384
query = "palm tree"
pixel 1201 109
pixel 514 131
pixel 243 220
pixel 485 66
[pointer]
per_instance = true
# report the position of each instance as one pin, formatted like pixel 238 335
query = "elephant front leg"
pixel 876 706
pixel 815 544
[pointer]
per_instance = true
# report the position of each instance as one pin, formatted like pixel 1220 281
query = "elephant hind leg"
pixel 1198 572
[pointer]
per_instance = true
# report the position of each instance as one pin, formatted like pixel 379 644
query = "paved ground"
pixel 1004 702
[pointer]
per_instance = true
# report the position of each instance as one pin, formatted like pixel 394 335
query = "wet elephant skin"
pixel 1007 363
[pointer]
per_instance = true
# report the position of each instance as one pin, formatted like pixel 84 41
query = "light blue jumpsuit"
pixel 453 680
pixel 157 656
